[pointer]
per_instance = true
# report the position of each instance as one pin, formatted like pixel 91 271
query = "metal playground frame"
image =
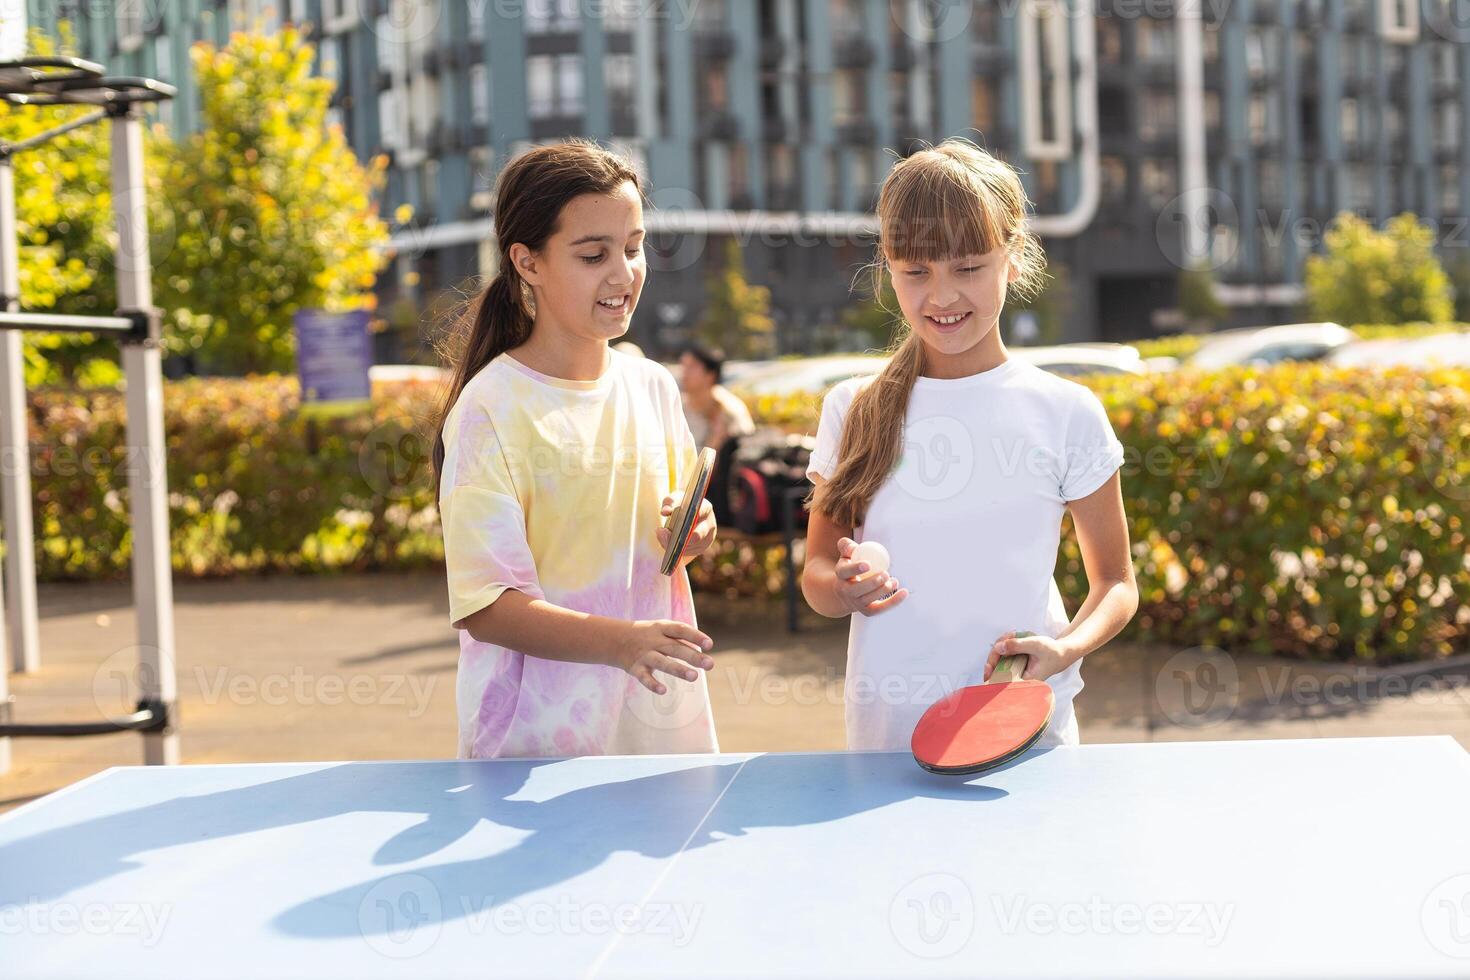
pixel 136 327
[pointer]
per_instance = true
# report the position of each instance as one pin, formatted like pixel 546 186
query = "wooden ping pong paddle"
pixel 681 522
pixel 986 725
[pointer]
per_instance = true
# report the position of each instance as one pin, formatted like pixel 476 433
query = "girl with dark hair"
pixel 961 461
pixel 556 459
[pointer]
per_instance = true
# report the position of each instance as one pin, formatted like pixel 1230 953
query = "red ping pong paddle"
pixel 986 725
pixel 681 522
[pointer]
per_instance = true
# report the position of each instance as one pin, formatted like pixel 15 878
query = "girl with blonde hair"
pixel 961 460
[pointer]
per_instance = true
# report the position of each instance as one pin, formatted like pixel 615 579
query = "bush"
pixel 247 492
pixel 1303 510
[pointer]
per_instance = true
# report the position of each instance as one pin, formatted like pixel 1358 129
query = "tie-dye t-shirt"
pixel 553 487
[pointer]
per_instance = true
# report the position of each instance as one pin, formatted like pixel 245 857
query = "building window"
pixel 1159 185
pixel 982 104
pixel 1109 41
pixel 163 61
pixel 1273 187
pixel 1257 118
pixel 390 51
pixel 621 15
pixel 390 118
pixel 551 16
pixel 1447 134
pixel 1398 20
pixel 482 180
pixel 479 81
pixel 431 187
pixel 339 15
pixel 1155 40
pixel 1210 43
pixel 716 89
pixel 1158 115
pixel 1349 122
pixel 423 93
pixel 619 71
pixel 847 97
pixel 569 84
pixel 129 25
pixel 554 83
pixel 1360 187
pixel 329 61
pixel 297 12
pixel 1449 190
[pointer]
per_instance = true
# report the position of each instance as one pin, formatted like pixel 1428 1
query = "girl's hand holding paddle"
pixel 862 588
pixel 705 528
pixel 1044 655
pixel 664 645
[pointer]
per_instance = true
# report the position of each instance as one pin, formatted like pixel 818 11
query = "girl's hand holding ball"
pixel 863 583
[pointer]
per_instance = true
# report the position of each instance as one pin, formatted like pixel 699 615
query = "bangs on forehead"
pixel 935 211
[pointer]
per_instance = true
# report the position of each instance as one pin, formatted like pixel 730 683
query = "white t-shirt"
pixel 971 517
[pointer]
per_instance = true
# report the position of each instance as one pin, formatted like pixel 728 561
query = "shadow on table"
pixel 572 823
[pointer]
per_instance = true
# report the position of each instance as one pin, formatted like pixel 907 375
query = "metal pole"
pixel 15 456
pixel 147 475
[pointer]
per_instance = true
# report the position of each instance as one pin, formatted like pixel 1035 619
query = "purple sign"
pixel 333 354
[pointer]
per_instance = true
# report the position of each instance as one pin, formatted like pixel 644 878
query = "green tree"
pixel 268 211
pixel 63 203
pixel 737 315
pixel 1458 270
pixel 1051 302
pixel 876 317
pixel 1370 276
pixel 1197 299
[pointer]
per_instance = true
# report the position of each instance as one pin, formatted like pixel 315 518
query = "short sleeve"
pixel 484 526
pixel 829 431
pixel 1092 452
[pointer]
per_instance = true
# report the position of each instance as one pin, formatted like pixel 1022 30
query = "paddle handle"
pixel 1012 666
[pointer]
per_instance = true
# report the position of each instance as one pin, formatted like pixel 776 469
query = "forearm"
pixel 543 629
pixel 819 586
pixel 1103 615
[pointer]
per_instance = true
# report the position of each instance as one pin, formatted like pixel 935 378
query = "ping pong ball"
pixel 874 554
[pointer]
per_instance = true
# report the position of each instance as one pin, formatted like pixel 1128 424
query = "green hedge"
pixel 1330 521
pixel 253 484
pixel 1303 510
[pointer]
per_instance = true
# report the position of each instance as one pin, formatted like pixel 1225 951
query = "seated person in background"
pixel 714 412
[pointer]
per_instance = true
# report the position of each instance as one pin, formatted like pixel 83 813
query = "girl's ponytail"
pixel 529 197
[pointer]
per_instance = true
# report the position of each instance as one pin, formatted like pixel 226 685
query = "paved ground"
pixel 362 667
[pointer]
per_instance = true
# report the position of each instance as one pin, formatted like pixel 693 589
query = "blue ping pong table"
pixel 1305 858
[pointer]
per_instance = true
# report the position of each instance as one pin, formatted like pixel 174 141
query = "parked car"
pixel 1271 345
pixel 1446 350
pixel 1075 360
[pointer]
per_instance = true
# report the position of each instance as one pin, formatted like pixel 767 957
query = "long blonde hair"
pixel 943 202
